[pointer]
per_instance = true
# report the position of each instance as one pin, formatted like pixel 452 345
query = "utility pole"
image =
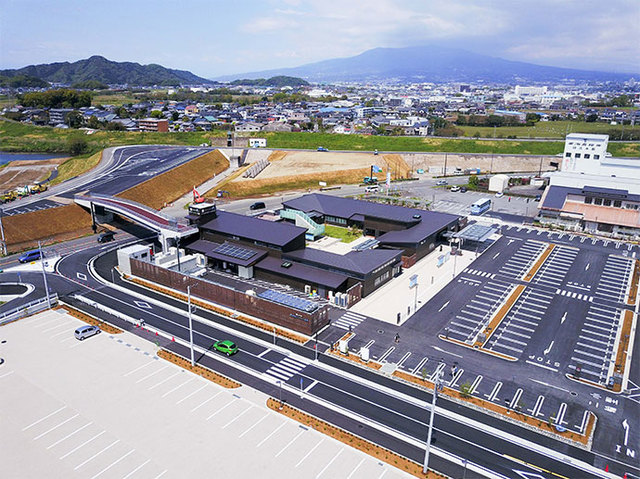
pixel 445 164
pixel 193 363
pixel 436 386
pixel 44 276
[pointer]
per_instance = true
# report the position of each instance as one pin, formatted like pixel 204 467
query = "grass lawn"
pixel 76 166
pixel 344 234
pixel 545 129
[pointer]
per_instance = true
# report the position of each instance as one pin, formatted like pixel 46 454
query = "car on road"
pixel 455 189
pixel 441 183
pixel 84 332
pixel 499 194
pixel 258 205
pixel 226 346
pixel 463 189
pixel 322 148
pixel 29 256
pixel 106 236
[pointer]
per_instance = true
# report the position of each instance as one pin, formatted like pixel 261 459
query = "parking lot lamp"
pixel 193 363
pixel 436 386
pixel 280 393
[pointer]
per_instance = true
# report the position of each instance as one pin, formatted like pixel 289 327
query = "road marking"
pixel 356 468
pixel 222 409
pixel 6 374
pixel 205 402
pixel 444 306
pixel 564 316
pixel 149 375
pixel 96 454
pixel 549 385
pixel 536 409
pixel 177 387
pixel 81 276
pixel 254 425
pixel 137 469
pixel 370 343
pixel 444 351
pixel 387 353
pixel 55 427
pixel 494 394
pixel 272 433
pixel 496 255
pixel 83 444
pixel 330 462
pixel 586 268
pixel 420 364
pixel 625 425
pixel 560 415
pixel 309 453
pixel 548 350
pixel 585 418
pixel 164 380
pixel 113 464
pixel 290 442
pixel 46 417
pixel 191 394
pixel 404 358
pixel 310 386
pixel 455 378
pixel 475 384
pixel 69 435
pixel 263 353
pixel 238 417
pixel 516 398
pixel 437 372
pixel 542 366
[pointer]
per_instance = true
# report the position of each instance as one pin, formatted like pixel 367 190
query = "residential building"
pixel 153 124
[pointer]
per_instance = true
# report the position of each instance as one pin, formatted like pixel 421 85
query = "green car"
pixel 226 346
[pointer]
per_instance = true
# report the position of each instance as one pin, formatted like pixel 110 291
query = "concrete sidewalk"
pixel 396 296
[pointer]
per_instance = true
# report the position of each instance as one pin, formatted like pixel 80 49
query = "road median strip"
pixel 538 264
pixel 635 279
pixel 106 327
pixel 198 369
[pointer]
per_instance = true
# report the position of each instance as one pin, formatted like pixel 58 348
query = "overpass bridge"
pixel 169 229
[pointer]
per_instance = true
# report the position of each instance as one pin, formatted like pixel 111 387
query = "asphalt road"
pixel 403 422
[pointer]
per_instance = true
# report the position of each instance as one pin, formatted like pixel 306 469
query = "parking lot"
pixel 109 407
pixel 567 316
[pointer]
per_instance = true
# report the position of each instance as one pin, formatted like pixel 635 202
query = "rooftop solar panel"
pixel 289 300
pixel 234 251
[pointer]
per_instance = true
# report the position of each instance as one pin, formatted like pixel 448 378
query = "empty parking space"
pixel 614 280
pixel 106 407
pixel 523 259
pixel 554 270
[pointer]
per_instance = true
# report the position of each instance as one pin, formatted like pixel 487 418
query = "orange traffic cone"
pixel 156 333
pixel 173 340
pixel 606 468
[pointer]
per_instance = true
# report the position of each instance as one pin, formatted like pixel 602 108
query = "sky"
pixel 212 38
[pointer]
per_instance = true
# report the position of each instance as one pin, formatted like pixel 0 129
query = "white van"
pixel 371 189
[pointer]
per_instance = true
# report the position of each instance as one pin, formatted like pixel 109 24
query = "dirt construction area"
pixel 283 163
pixel 24 172
pixel 433 163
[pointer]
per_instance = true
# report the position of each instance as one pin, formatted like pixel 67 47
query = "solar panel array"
pixel 289 300
pixel 234 251
pixel 368 244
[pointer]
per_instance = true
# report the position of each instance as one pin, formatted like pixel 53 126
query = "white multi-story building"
pixel 593 191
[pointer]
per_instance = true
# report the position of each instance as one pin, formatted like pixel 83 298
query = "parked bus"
pixel 480 206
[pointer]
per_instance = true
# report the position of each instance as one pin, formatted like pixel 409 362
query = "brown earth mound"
pixel 171 185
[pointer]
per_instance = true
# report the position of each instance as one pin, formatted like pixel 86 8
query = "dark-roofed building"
pixel 416 232
pixel 276 237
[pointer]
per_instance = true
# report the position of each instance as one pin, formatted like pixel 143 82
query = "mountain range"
pixel 429 64
pixel 100 69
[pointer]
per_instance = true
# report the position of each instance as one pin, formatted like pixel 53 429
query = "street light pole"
pixel 44 276
pixel 436 385
pixel 280 394
pixel 4 243
pixel 193 363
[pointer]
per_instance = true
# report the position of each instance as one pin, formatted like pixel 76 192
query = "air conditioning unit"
pixel 307 289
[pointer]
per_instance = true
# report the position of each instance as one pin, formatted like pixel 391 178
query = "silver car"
pixel 86 332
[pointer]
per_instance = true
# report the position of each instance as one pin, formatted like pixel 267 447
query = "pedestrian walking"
pixel 397 339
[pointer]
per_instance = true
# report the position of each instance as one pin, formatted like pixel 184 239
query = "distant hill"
pixel 277 81
pixel 430 64
pixel 100 69
pixel 21 81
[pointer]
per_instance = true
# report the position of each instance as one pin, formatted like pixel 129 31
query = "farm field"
pixel 545 129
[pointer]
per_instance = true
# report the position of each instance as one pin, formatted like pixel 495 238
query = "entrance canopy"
pixel 475 232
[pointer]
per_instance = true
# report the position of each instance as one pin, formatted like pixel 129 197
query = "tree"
pixel 465 390
pixel 473 181
pixel 157 114
pixel 76 145
pixel 75 119
pixel 591 117
pixel 175 116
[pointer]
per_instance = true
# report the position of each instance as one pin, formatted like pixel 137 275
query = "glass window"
pixel 598 201
pixel 587 155
pixel 617 203
pixel 577 155
pixel 606 202
pixel 596 157
pixel 588 200
pixel 568 155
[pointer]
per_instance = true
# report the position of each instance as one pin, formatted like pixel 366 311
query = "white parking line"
pixel 290 442
pixel 83 444
pixel 222 409
pixel 356 468
pixel 475 384
pixel 69 435
pixel 238 417
pixel 46 417
pixel 149 375
pixel 254 425
pixel 272 433
pixel 55 427
pixel 177 387
pixel 6 374
pixel 137 469
pixel 309 453
pixel 96 454
pixel 139 368
pixel 191 394
pixel 164 380
pixel 330 462
pixel 420 364
pixel 113 464
pixel 494 394
pixel 205 402
pixel 387 353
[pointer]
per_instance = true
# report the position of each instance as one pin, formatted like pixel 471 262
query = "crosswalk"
pixel 286 369
pixel 476 272
pixel 349 320
pixel 571 294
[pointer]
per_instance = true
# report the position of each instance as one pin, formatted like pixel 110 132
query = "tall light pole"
pixel 193 363
pixel 436 385
pixel 44 275
pixel 4 243
pixel 280 394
